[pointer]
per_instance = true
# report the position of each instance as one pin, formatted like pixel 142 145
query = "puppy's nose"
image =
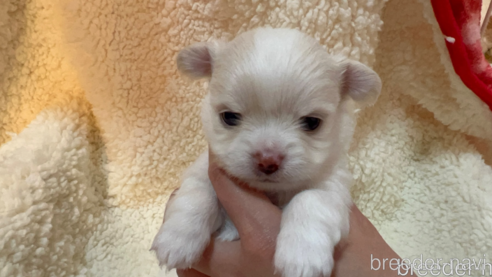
pixel 268 163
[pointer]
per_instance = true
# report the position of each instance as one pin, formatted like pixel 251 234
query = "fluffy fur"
pixel 272 78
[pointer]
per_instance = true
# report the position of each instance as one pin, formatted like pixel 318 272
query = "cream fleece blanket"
pixel 96 127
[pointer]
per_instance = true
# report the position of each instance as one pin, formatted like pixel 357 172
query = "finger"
pixel 249 210
pixel 219 258
pixel 362 243
pixel 189 273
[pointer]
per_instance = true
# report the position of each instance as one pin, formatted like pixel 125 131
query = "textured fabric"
pixel 96 126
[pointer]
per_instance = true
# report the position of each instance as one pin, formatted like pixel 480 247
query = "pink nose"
pixel 268 163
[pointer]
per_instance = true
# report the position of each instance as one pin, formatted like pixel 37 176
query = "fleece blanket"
pixel 96 126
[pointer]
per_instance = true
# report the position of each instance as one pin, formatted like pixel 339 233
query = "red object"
pixel 459 21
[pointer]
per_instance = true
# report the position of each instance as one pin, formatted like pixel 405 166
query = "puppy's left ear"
pixel 360 83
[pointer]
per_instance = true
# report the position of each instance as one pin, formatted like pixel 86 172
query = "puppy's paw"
pixel 179 249
pixel 304 255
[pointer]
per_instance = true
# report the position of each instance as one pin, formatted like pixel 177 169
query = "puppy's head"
pixel 276 115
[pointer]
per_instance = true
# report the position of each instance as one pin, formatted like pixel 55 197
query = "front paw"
pixel 304 255
pixel 179 249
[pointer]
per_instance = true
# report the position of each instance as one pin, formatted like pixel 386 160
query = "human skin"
pixel 258 223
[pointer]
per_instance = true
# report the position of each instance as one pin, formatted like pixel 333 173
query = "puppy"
pixel 278 117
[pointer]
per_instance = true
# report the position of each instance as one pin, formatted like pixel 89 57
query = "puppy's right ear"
pixel 196 61
pixel 360 83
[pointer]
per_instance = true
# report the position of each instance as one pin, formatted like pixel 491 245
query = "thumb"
pixel 249 210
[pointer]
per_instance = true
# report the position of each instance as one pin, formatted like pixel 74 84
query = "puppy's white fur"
pixel 273 78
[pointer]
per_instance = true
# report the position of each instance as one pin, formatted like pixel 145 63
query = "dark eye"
pixel 310 123
pixel 230 118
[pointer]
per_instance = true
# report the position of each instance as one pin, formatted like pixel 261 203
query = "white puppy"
pixel 277 117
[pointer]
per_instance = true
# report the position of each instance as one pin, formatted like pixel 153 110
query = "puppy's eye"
pixel 230 118
pixel 310 123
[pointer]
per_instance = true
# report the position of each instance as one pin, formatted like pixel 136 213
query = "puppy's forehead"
pixel 277 71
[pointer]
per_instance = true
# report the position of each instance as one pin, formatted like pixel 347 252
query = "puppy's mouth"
pixel 267 180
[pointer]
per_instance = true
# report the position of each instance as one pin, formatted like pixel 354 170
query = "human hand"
pixel 258 223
